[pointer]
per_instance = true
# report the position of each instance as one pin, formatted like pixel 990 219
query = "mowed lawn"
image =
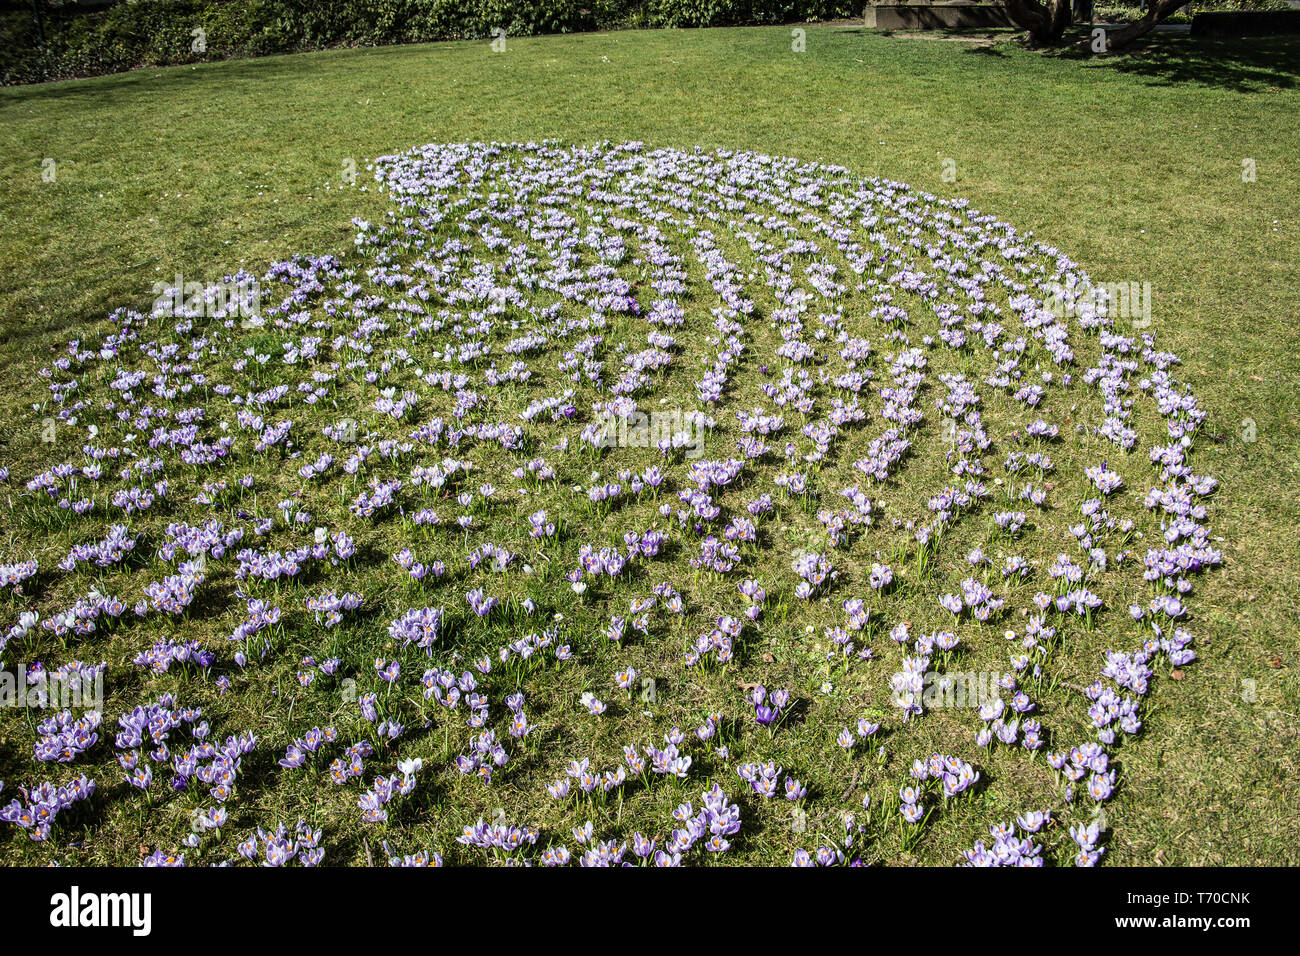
pixel 1131 166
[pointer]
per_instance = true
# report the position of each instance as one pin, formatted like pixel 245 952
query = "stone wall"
pixel 937 15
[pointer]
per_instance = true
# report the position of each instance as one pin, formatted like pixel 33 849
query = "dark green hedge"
pixel 141 33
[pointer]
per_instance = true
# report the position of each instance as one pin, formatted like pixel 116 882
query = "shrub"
pixel 161 32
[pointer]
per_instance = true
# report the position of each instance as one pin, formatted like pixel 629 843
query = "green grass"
pixel 1131 166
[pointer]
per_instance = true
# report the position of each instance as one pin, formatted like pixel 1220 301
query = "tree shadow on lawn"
pixel 1248 65
pixel 256 73
pixel 22 341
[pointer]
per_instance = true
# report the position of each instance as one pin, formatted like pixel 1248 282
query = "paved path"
pixel 1159 27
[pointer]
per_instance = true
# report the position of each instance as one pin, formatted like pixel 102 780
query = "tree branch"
pixel 1157 11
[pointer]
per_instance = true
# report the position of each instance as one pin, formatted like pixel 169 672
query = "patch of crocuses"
pixel 396 492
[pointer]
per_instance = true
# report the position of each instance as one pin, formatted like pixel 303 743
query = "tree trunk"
pixel 1156 12
pixel 1044 21
pixel 39 17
